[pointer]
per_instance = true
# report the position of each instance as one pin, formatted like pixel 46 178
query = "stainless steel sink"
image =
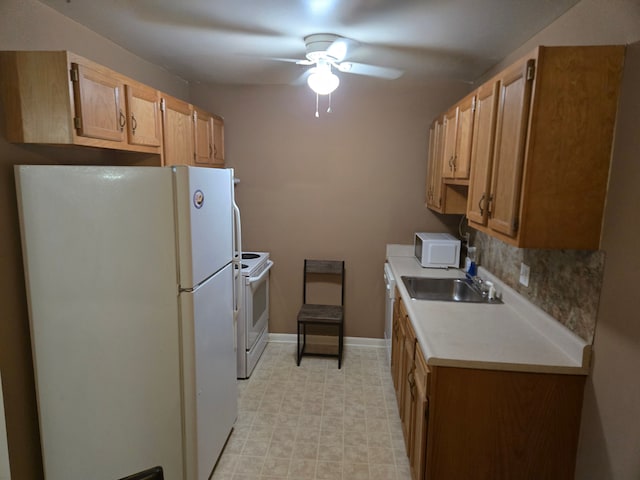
pixel 446 289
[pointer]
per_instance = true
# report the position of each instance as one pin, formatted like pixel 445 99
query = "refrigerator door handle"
pixel 237 261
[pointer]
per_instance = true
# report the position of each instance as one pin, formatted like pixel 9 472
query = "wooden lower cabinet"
pixel 499 425
pixel 420 409
pixel 407 380
pixel 476 424
pixel 397 341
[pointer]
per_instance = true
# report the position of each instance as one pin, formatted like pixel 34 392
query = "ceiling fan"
pixel 325 51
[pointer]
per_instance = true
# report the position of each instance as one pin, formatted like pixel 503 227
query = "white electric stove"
pixel 253 318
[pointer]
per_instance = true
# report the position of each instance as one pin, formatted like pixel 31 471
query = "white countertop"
pixel 515 335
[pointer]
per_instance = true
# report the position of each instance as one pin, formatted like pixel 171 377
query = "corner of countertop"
pixel 575 347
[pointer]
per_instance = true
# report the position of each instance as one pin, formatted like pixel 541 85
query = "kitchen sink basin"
pixel 446 289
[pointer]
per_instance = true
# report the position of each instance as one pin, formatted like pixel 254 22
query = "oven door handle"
pixel 252 280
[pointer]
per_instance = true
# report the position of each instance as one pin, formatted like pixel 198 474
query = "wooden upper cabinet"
pixel 554 131
pixel 484 125
pixel 510 137
pixel 177 132
pixel 434 167
pixel 144 123
pixel 458 128
pixel 218 141
pixel 203 139
pixel 464 132
pixel 99 103
pixel 62 98
pixel 449 125
pixel 441 197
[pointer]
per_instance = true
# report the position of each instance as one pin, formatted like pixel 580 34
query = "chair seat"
pixel 328 314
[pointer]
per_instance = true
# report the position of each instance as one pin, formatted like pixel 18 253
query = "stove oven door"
pixel 257 305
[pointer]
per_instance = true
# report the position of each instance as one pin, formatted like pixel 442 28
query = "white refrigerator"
pixel 129 280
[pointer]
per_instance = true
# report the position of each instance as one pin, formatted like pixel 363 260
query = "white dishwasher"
pixel 390 283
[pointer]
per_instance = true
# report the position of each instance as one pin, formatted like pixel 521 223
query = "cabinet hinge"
pixel 73 73
pixel 77 122
pixel 531 71
pixel 162 104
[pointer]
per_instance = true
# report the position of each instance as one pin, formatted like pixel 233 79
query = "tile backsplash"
pixel 564 283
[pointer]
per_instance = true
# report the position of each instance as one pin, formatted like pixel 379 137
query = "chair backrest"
pixel 333 268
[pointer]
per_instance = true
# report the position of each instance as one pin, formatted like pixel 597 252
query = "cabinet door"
pixel 434 167
pixel 177 132
pixel 99 103
pixel 482 152
pixel 511 132
pixel 418 453
pixel 408 392
pixel 218 141
pixel 450 124
pixel 396 346
pixel 203 138
pixel 437 164
pixel 143 110
pixel 464 130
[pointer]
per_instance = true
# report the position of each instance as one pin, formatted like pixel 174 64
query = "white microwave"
pixel 437 250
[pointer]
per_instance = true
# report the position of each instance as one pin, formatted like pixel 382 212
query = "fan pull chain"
pixel 317 114
pixel 329 108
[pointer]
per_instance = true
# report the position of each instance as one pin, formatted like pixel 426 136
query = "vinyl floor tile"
pixel 316 422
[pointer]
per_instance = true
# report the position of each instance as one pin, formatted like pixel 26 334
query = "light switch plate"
pixel 524 274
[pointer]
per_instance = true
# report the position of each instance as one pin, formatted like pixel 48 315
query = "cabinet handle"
pixel 412 383
pixel 490 205
pixel 480 203
pixel 134 124
pixel 451 163
pixel 455 157
pixel 215 152
pixel 123 120
pixel 210 151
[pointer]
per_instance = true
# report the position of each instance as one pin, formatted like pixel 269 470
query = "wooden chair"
pixel 318 314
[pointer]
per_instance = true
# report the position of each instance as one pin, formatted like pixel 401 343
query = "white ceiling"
pixel 238 41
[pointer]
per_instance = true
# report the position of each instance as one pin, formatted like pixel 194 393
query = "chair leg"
pixel 298 347
pixel 340 344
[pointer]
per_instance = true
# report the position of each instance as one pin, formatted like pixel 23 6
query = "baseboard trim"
pixel 326 340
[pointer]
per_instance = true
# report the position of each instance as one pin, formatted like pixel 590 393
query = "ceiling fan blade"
pixel 297 61
pixel 302 78
pixel 370 70
pixel 342 48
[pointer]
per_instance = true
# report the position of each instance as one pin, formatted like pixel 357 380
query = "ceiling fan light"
pixel 323 82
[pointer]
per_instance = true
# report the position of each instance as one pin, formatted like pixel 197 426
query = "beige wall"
pixel 609 447
pixel 27 24
pixel 340 186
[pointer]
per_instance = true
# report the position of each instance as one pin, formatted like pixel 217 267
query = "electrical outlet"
pixel 524 274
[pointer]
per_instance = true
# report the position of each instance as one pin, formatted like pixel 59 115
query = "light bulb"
pixel 322 80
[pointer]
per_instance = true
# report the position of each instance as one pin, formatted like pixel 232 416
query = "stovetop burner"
pixel 253 263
